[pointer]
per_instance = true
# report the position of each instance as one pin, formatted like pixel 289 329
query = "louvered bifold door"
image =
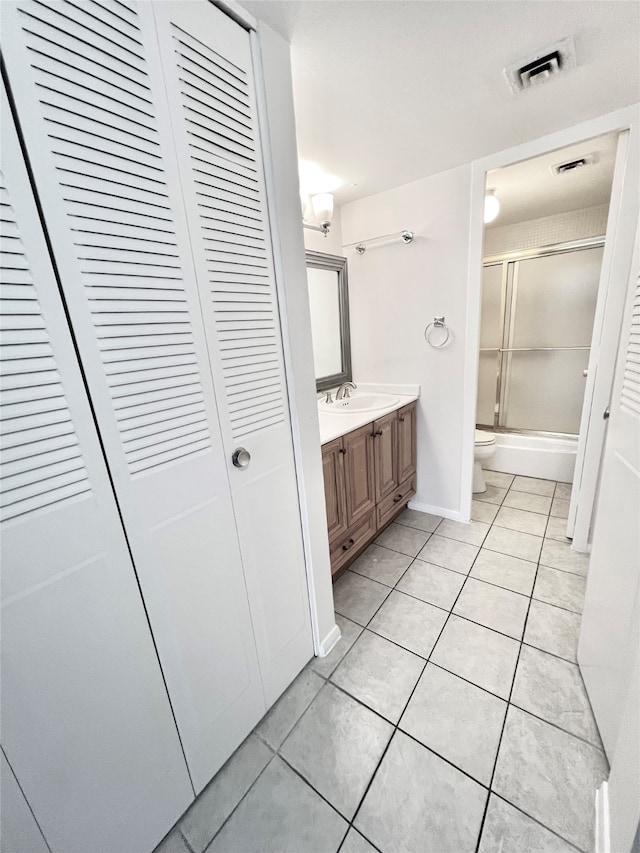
pixel 207 63
pixel 86 721
pixel 91 101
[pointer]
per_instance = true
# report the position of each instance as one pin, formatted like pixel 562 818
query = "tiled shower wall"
pixel 559 228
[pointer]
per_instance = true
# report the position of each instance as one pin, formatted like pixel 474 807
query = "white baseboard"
pixel 603 838
pixel 454 515
pixel 329 642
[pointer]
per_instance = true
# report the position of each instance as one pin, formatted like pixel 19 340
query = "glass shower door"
pixel 552 309
pixel 493 296
pixel 534 348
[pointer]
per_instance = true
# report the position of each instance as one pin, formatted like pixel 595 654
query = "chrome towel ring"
pixel 438 323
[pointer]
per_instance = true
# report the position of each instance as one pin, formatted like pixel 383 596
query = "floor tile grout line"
pixel 444 609
pixel 556 726
pixel 373 775
pixel 396 727
pixel 520 509
pixel 535 820
pixel 515 671
pixel 558 606
pixel 509 703
pixel 313 788
pixel 497 586
pixel 393 550
pixel 504 721
pixel 516 530
pixel 457 675
pixel 473 577
pixel 444 758
pixel 368 840
pixel 546 651
pixel 565 571
pixel 427 660
pixel 459 616
pixel 409 594
pixel 500 586
pixel 242 798
pixel 420 529
pixel 188 844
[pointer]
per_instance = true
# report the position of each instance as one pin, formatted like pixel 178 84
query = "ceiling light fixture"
pixel 491 206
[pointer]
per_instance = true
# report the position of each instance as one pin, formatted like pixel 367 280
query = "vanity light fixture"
pixel 316 192
pixel 491 206
pixel 322 207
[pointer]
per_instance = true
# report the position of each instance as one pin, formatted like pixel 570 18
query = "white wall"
pixel 395 290
pixel 315 241
pixel 284 206
pixel 545 230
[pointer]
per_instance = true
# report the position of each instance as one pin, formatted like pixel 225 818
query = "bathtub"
pixel 548 457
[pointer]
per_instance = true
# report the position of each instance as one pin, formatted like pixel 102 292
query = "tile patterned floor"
pixel 450 718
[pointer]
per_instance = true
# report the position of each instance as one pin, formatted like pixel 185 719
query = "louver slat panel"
pixel 34 415
pixel 92 742
pixel 209 78
pixel 630 398
pixel 92 101
pixel 90 72
pixel 220 121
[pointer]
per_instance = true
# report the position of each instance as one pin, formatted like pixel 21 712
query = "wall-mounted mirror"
pixel 329 304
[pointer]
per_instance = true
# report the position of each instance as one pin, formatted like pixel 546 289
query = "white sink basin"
pixel 359 403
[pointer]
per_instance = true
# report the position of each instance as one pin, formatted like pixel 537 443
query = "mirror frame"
pixel 319 260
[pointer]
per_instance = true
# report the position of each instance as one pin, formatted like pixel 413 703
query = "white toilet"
pixel 485 447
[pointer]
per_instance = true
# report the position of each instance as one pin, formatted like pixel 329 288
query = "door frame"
pixel 276 123
pixel 619 243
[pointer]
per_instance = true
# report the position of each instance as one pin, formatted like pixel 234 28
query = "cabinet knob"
pixel 342 450
pixel 378 432
pixel 401 419
pixel 349 544
pixel 397 498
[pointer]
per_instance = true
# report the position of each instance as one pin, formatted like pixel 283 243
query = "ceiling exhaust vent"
pixel 572 165
pixel 547 63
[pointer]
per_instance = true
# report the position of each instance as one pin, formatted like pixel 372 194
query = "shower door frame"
pixel 508 299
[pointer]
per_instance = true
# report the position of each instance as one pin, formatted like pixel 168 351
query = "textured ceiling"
pixel 389 91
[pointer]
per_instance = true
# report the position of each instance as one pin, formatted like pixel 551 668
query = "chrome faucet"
pixel 344 391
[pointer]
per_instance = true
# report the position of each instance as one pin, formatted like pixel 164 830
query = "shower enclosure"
pixel 538 307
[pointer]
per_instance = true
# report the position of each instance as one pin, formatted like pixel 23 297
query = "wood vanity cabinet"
pixel 334 491
pixel 385 448
pixel 406 428
pixel 369 476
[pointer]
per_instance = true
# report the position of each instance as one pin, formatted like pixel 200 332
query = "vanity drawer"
pixel 344 549
pixel 391 505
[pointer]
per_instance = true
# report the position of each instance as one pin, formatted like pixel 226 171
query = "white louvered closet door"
pixel 610 630
pixel 208 69
pixel 91 101
pixel 86 721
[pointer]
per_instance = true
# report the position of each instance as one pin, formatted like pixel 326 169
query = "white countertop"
pixel 335 424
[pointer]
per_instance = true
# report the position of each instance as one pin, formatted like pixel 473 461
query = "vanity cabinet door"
pixel 386 455
pixel 334 494
pixel 406 442
pixel 359 473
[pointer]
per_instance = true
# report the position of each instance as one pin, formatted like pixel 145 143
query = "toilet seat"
pixel 484 438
